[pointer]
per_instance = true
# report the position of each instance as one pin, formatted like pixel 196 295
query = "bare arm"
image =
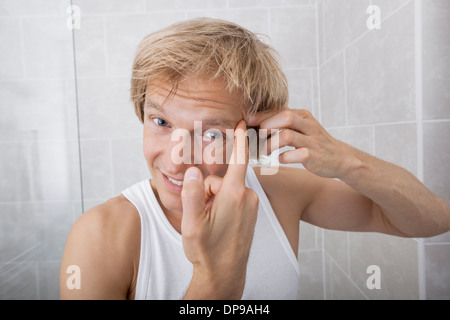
pixel 377 196
pixel 373 195
pixel 102 244
pixel 398 196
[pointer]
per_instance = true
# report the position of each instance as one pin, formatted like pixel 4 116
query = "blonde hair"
pixel 211 49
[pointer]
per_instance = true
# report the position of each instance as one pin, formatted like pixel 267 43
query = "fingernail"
pixel 192 174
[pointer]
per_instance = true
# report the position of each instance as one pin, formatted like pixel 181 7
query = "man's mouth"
pixel 176 182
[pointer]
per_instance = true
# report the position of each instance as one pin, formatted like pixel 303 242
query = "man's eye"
pixel 212 135
pixel 160 122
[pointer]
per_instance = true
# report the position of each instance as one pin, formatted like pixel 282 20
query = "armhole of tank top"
pixel 142 276
pixel 270 214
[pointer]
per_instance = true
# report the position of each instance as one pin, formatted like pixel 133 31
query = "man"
pixel 220 229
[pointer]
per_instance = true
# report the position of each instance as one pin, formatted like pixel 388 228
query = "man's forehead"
pixel 197 89
pixel 212 96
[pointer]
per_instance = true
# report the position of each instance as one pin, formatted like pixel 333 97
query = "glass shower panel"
pixel 40 189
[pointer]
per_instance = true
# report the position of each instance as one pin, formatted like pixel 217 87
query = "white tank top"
pixel 165 272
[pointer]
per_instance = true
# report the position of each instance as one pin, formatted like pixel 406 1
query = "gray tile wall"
pixel 386 92
pixel 359 83
pixel 39 161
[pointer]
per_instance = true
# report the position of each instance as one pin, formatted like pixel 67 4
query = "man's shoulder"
pixel 105 243
pixel 107 233
pixel 116 217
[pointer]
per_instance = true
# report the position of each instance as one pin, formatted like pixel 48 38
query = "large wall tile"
pixel 37 110
pixel 176 5
pixel 109 6
pixel 33 7
pixel 48 280
pixel 48 47
pixel 267 3
pixel 443 237
pixel 360 138
pixel 105 109
pixel 380 72
pixel 90 47
pixel 300 89
pixel 15 169
pixel 336 246
pixel 332 89
pixel 343 22
pixel 388 6
pixel 436 62
pixel 308 237
pixel 311 275
pixel 293 35
pixel 125 32
pixel 397 259
pixel 20 234
pixel 256 20
pixel 338 285
pixel 19 281
pixel 397 144
pixel 56 169
pixel 11 51
pixel 54 226
pixel 128 163
pixel 96 164
pixel 437 263
pixel 39 171
pixel 436 158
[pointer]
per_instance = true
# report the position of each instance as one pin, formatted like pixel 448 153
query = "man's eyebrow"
pixel 213 122
pixel 151 104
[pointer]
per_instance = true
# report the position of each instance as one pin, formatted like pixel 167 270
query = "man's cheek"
pixel 150 150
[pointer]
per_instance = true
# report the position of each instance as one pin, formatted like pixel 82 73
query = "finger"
pixel 294 156
pixel 238 161
pixel 255 119
pixel 192 196
pixel 298 120
pixel 284 138
pixel 212 185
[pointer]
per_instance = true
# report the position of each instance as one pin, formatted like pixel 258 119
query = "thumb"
pixel 192 194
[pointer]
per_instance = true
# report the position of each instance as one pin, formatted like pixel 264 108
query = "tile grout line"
pixel 78 115
pixel 419 117
pixel 351 43
pixel 324 287
pixel 347 276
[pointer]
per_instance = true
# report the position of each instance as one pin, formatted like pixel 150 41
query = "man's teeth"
pixel 178 183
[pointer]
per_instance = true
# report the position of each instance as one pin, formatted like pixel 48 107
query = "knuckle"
pixel 288 117
pixel 190 235
pixel 305 113
pixel 236 196
pixel 253 199
pixel 252 195
pixel 286 136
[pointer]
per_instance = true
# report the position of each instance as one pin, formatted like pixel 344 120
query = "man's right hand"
pixel 219 217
